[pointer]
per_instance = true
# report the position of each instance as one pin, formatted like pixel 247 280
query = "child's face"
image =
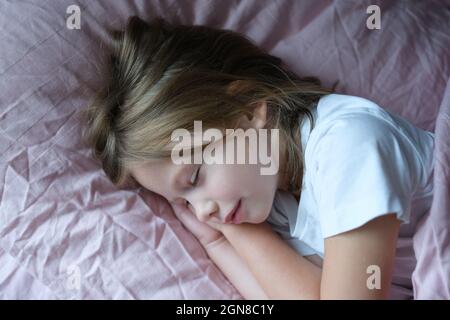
pixel 218 189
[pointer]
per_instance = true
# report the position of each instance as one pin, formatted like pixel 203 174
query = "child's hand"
pixel 205 233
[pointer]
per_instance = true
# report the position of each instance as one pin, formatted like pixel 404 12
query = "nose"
pixel 204 210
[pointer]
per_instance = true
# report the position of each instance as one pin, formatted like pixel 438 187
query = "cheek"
pixel 231 181
pixel 224 181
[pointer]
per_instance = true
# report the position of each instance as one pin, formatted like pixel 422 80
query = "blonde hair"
pixel 162 77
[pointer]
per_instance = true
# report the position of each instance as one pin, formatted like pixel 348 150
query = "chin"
pixel 259 220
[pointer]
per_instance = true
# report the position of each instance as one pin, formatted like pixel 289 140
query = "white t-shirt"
pixel 361 162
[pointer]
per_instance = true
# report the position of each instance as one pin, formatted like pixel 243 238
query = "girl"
pixel 353 179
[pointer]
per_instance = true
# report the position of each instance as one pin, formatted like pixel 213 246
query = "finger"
pixel 187 218
pixel 180 211
pixel 214 225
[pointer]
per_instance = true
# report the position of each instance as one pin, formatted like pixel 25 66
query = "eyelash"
pixel 197 172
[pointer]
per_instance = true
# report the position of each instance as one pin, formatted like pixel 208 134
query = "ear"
pixel 259 115
pixel 259 118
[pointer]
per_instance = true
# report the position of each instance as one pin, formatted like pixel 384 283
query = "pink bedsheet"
pixel 67 233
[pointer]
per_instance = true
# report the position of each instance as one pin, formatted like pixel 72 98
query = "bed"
pixel 66 232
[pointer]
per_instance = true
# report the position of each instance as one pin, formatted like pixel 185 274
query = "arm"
pixel 235 269
pixel 280 270
pixel 348 256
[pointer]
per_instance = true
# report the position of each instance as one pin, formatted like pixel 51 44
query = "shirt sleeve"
pixel 282 220
pixel 362 171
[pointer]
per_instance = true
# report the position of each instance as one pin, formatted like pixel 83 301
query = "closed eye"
pixel 194 177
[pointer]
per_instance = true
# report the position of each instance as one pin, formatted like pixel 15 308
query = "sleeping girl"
pixel 334 221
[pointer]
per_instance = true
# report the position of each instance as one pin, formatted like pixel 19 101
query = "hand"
pixel 227 229
pixel 204 232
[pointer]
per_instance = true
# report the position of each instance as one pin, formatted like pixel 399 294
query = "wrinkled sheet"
pixel 67 233
pixel 431 277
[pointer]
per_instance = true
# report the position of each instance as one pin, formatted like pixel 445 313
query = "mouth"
pixel 233 216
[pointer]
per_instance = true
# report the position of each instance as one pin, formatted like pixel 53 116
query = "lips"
pixel 231 217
